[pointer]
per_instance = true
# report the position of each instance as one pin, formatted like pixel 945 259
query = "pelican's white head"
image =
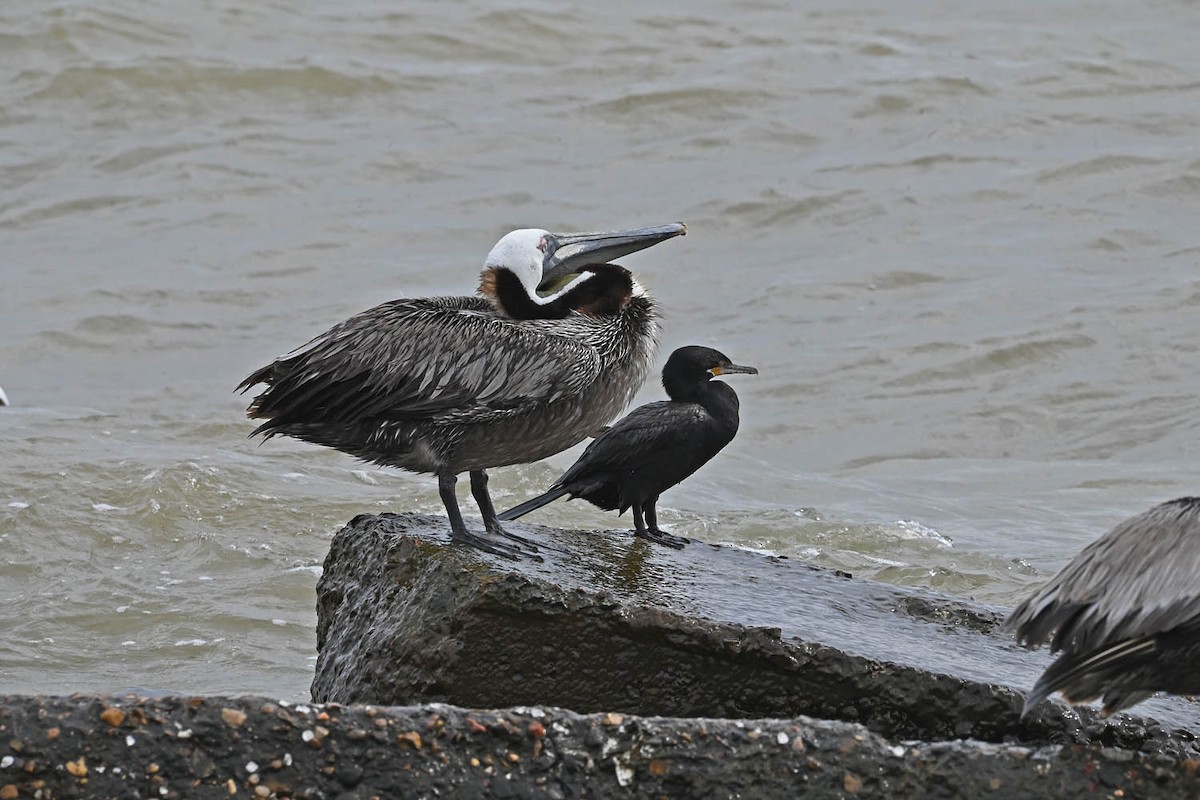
pixel 555 263
pixel 522 253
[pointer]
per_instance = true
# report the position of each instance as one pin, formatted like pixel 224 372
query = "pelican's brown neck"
pixel 487 288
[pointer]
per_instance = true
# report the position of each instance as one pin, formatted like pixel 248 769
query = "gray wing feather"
pixel 1140 578
pixel 442 359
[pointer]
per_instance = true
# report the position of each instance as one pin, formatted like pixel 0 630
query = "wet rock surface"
pixel 180 747
pixel 607 623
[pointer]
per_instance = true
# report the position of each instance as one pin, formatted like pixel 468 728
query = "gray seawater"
pixel 959 241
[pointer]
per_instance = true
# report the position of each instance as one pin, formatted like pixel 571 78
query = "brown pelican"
pixel 656 446
pixel 556 345
pixel 1125 613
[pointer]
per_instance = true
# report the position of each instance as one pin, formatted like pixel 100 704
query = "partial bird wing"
pixel 1138 579
pixel 445 359
pixel 664 425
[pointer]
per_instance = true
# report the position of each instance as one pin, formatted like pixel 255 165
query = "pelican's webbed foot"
pixel 496 529
pixel 479 491
pixel 489 545
pixel 458 529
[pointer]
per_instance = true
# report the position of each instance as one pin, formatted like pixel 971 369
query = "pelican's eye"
pixel 542 244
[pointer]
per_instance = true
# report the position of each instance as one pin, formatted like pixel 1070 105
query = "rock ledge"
pixel 181 747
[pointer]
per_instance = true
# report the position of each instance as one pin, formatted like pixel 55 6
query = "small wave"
pixel 198 642
pixel 903 279
pixel 773 209
pixel 941 86
pixel 137 156
pixel 82 206
pixel 998 359
pixel 924 532
pixel 1103 165
pixel 1180 187
pixel 1110 89
pixel 174 81
pixel 749 548
pixel 705 104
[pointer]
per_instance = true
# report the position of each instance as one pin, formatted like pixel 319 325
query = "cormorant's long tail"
pixel 530 505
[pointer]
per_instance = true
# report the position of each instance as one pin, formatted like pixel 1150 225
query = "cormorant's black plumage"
pixel 556 345
pixel 656 445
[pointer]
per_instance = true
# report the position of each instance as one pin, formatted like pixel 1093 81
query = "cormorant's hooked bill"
pixel 568 252
pixel 729 369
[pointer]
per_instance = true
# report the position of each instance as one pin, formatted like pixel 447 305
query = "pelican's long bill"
pixel 568 252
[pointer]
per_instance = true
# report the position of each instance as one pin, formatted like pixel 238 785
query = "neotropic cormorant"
pixel 656 446
pixel 556 345
pixel 1125 613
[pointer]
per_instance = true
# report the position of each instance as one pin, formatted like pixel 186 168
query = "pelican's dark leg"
pixel 652 532
pixel 458 530
pixel 479 482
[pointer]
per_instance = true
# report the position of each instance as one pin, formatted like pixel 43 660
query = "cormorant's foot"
pixel 490 546
pixel 662 537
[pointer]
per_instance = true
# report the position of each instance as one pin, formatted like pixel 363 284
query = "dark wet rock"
pixel 181 747
pixel 608 623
